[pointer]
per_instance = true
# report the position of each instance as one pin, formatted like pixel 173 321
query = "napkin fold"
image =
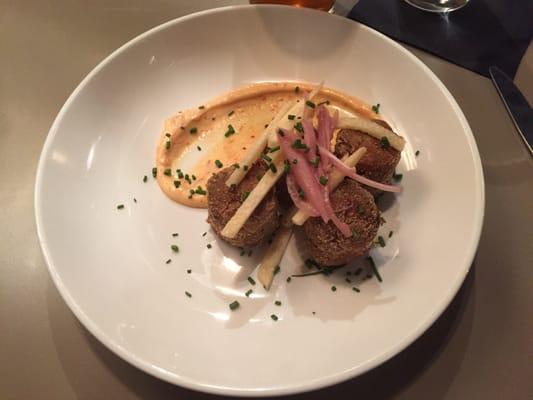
pixel 481 34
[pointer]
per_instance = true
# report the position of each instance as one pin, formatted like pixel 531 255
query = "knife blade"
pixel 516 104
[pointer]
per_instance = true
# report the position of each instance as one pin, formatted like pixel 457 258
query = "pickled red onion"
pixel 298 201
pixel 349 172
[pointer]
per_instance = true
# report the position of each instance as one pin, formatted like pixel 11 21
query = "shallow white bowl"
pixel 109 265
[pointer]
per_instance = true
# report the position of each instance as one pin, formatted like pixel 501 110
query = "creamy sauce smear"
pixel 194 139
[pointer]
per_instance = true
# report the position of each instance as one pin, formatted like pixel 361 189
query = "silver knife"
pixel 516 104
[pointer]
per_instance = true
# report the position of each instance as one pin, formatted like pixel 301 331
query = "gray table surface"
pixel 480 348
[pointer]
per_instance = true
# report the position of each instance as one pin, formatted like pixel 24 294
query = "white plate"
pixel 109 265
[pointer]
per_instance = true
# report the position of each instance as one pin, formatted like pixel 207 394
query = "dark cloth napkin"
pixel 481 34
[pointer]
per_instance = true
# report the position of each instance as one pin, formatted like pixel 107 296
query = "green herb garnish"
pixel 375 108
pixel 175 234
pixel 273 168
pixel 333 288
pixel 174 248
pixel 274 149
pixel 209 245
pixel 310 104
pixel 244 195
pixel 277 302
pixel 145 179
pixel 251 280
pixel 355 289
pixel 167 172
pixel 274 317
pixel 299 127
pixel 168 261
pixel 384 142
pixel 266 158
pixel 193 130
pixel 323 180
pixel 230 131
pixel 291 116
pixel 301 194
pixel 231 113
pixel 381 241
pixel 177 184
pixel 417 153
pixel 188 294
pixel 233 306
pixel 120 206
pixel 397 177
pixel 154 172
pixel 374 268
pixel 218 164
pixel 286 167
pixel 248 292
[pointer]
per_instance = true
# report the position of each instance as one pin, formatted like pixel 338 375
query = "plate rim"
pixel 322 382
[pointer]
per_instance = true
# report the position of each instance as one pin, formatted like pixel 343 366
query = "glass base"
pixel 440 6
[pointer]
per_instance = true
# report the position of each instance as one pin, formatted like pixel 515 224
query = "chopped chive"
pixel 230 131
pixel 191 191
pixel 203 234
pixel 200 190
pixel 288 279
pixel 291 116
pixel 189 271
pixel 174 248
pixel 266 158
pixel 248 292
pixel 323 102
pixel 167 144
pixel 251 280
pixel 201 107
pixel 168 261
pixel 397 177
pixel 315 162
pixel 245 195
pixel 273 168
pixel 188 178
pixel 381 241
pixel 301 194
pixel 245 167
pixel 274 317
pixel 348 280
pixel 280 132
pixel 277 269
pixel 234 305
pixel 177 184
pixel 310 104
pixel 277 302
pixel 299 127
pixel 323 180
pixel 390 234
pixel 236 165
pixel 218 164
pixel 231 113
pixel 188 294
pixel 274 149
pixel 134 200
pixel 145 179
pixel 266 126
pixel 193 130
pixel 193 177
pixel 375 108
pixel 313 312
pixel 417 153
pixel 374 268
pixel 180 174
pixel 198 148
pixel 175 234
pixel 120 206
pixel 297 89
pixel 209 245
pixel 384 142
pixel 333 288
pixel 167 172
pixel 286 167
pixel 355 289
pixel 154 172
